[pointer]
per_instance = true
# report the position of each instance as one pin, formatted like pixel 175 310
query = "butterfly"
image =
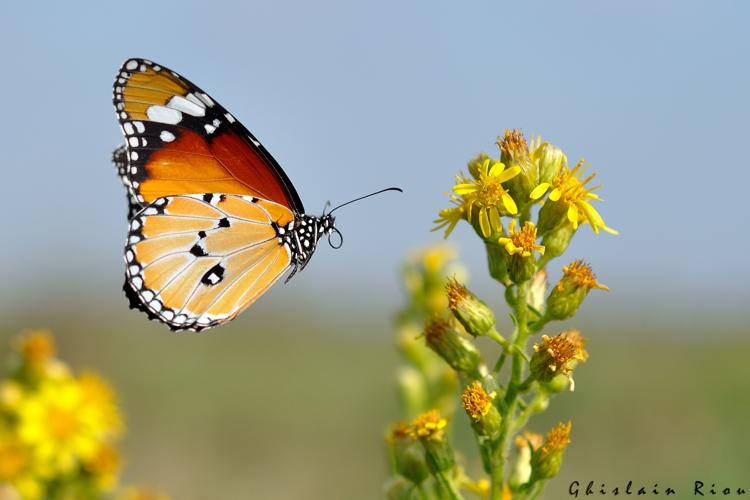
pixel 214 221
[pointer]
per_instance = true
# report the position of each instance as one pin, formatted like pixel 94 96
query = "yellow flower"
pixel 579 274
pixel 546 460
pixel 448 218
pixel 105 466
pixel 100 400
pixel 569 189
pixel 36 347
pixel 476 401
pixel 428 426
pixel 521 242
pixel 16 468
pixel 486 192
pixel 61 426
pixel 557 355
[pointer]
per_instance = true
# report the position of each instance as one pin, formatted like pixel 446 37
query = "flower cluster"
pixel 58 430
pixel 525 207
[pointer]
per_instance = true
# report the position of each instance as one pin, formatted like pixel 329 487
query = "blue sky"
pixel 351 97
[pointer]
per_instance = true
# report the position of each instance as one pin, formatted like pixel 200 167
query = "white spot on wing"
pixel 132 64
pixel 128 127
pixel 140 127
pixel 181 104
pixel 166 136
pixel 209 128
pixel 163 114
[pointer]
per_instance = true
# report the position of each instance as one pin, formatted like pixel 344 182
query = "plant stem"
pixel 448 486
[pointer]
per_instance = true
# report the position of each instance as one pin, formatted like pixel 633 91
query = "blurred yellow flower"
pixel 36 347
pixel 61 426
pixel 105 466
pixel 428 425
pixel 16 475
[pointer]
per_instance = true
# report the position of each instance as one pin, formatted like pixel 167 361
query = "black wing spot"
pixel 201 234
pixel 224 222
pixel 213 276
pixel 198 251
pixel 208 197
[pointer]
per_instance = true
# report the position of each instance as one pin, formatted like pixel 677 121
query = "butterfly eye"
pixel 335 239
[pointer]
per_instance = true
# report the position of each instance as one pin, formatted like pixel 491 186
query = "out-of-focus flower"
pixel 546 461
pixel 429 425
pixel 407 454
pixel 428 428
pixel 569 201
pixel 456 350
pixel 105 467
pixel 527 443
pixel 16 468
pixel 60 426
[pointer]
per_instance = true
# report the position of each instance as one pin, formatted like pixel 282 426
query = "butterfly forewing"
pixel 180 140
pixel 196 261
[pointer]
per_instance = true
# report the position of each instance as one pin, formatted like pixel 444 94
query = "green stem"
pixel 448 486
pixel 536 490
pixel 527 412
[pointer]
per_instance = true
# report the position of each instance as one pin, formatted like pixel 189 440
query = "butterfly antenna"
pixel 367 196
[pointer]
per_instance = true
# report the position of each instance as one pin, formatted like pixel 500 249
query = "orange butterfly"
pixel 214 220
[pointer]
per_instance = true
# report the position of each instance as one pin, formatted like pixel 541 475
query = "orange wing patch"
pixel 180 141
pixel 195 261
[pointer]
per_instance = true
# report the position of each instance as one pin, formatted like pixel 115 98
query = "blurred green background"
pixel 285 406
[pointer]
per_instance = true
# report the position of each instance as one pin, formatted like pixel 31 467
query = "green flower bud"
pixel 559 383
pixel 546 461
pixel 514 152
pixel 550 160
pixel 552 215
pixel 456 350
pixel 497 261
pixel 408 454
pixel 485 418
pixel 569 293
pixel 475 164
pixel 472 313
pixel 556 240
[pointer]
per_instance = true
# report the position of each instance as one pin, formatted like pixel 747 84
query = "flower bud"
pixel 485 418
pixel 520 246
pixel 456 350
pixel 497 261
pixel 428 428
pixel 556 240
pixel 514 152
pixel 550 160
pixel 475 164
pixel 556 355
pixel 408 455
pixel 546 461
pixel 552 215
pixel 571 290
pixel 472 313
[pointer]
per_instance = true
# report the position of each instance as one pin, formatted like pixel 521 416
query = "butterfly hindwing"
pixel 179 140
pixel 196 261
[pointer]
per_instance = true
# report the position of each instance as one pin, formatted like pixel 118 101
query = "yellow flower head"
pixel 428 426
pixel 513 146
pixel 476 401
pixel 62 425
pixel 547 459
pixel 486 193
pixel 579 274
pixel 521 242
pixel 570 189
pixel 36 347
pixel 105 466
pixel 100 399
pixel 556 355
pixel 579 341
pixel 16 468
